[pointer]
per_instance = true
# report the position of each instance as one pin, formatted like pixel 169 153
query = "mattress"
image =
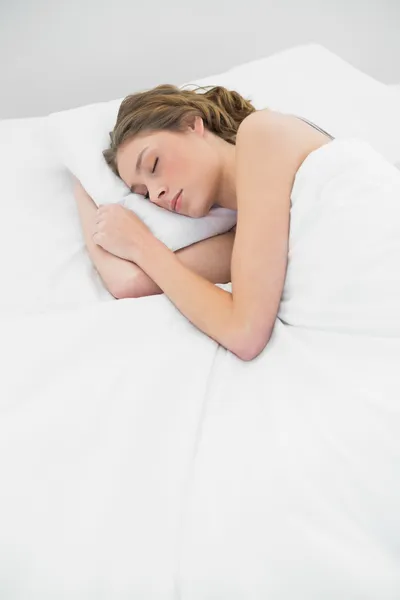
pixel 140 459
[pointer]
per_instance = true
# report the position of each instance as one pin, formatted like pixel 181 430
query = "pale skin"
pixel 210 258
pixel 255 177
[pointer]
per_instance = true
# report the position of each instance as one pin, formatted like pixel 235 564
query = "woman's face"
pixel 178 171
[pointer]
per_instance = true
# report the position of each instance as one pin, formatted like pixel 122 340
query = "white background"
pixel 56 55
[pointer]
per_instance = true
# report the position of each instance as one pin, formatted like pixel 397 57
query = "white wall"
pixel 56 55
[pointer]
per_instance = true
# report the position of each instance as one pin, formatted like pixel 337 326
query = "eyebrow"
pixel 139 160
pixel 138 164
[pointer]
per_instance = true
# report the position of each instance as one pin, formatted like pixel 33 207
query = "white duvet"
pixel 139 459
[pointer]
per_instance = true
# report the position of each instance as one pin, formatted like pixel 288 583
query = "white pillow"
pixel 80 135
pixel 307 80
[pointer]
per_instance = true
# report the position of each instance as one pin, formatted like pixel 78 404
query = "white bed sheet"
pixel 44 262
pixel 140 459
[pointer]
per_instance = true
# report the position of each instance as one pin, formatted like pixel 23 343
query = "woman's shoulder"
pixel 270 129
pixel 268 118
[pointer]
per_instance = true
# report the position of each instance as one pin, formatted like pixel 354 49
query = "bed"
pixel 140 459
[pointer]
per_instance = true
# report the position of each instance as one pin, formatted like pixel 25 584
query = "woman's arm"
pixel 112 269
pixel 270 148
pixel 210 258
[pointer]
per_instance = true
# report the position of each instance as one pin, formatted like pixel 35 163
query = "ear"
pixel 197 125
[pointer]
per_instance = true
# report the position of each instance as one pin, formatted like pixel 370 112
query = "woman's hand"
pixel 119 231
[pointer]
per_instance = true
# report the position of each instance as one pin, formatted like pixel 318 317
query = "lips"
pixel 175 200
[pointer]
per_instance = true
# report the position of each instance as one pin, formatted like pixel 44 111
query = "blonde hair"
pixel 167 107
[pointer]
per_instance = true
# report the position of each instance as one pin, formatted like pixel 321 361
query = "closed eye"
pixel 147 195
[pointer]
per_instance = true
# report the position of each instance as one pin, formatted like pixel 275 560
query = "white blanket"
pixel 296 485
pixel 344 252
pixel 139 459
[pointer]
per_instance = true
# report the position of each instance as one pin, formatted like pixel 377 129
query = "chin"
pixel 196 213
pixel 202 213
pixel 206 207
pixel 198 210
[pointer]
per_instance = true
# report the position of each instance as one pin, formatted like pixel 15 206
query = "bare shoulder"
pixel 270 148
pixel 270 131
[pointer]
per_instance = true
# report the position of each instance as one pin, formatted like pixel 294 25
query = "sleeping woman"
pixel 186 152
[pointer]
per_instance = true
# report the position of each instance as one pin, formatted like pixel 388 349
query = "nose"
pixel 159 195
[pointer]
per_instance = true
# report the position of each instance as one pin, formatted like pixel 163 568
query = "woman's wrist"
pixel 142 253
